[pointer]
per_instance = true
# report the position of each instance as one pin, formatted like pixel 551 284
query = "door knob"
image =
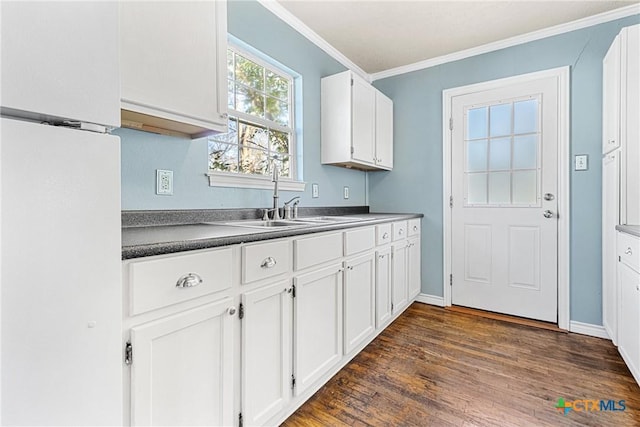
pixel 548 214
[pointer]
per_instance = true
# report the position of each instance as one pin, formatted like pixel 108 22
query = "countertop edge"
pixel 152 249
pixel 633 230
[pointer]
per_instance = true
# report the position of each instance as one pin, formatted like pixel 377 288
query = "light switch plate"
pixel 582 162
pixel 315 192
pixel 164 182
pixel 346 192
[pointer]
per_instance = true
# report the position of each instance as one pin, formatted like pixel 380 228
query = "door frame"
pixel 562 74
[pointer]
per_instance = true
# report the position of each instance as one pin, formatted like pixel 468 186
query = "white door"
pixel 317 325
pixel 182 371
pixel 359 301
pixel 266 351
pixel 383 286
pixel 363 114
pixel 610 218
pixel 399 285
pixel 504 188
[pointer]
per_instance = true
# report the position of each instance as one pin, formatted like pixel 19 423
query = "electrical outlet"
pixel 582 162
pixel 346 192
pixel 164 182
pixel 315 192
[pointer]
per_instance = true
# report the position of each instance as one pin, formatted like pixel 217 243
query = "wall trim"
pixel 430 299
pixel 588 329
pixel 562 74
pixel 278 10
pixel 589 21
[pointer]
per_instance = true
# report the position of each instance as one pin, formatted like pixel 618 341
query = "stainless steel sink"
pixel 330 219
pixel 271 224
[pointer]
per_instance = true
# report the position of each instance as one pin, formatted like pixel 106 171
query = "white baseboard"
pixel 588 329
pixel 430 299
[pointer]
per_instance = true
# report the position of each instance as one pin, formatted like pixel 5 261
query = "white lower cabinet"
pixel 359 301
pixel 413 267
pixel 183 370
pixel 629 303
pixel 266 351
pixel 247 333
pixel 383 286
pixel 399 282
pixel 317 324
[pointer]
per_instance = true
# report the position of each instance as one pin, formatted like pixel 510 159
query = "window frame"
pixel 243 180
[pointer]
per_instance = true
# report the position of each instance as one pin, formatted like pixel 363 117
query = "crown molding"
pixel 277 9
pixel 589 21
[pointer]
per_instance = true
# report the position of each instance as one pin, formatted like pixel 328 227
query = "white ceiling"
pixel 379 35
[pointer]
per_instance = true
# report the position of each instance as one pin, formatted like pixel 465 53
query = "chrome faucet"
pixel 274 178
pixel 287 208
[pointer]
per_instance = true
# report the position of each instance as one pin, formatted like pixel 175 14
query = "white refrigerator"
pixel 60 299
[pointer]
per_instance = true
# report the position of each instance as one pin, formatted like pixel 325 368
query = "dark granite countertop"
pixel 634 230
pixel 147 233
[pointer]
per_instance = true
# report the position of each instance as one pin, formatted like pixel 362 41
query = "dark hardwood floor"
pixel 436 367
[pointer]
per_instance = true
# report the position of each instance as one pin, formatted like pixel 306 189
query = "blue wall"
pixel 143 153
pixel 415 184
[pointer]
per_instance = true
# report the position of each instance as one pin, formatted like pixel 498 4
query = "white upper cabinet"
pixel 611 98
pixel 60 61
pixel 173 66
pixel 357 124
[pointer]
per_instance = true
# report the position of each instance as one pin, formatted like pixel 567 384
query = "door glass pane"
pixel 525 116
pixel 477 188
pixel 500 157
pixel 477 123
pixel 525 187
pixel 477 155
pixel 500 120
pixel 525 152
pixel 499 187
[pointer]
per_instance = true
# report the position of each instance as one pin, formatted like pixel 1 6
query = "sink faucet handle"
pixel 297 198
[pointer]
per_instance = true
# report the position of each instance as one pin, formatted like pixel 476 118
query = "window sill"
pixel 250 181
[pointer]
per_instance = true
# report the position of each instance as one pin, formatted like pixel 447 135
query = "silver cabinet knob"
pixel 189 280
pixel 401 231
pixel 385 236
pixel 231 310
pixel 548 196
pixel 548 214
pixel 415 228
pixel 628 251
pixel 269 262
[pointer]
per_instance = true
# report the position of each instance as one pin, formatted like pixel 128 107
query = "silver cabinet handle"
pixel 385 236
pixel 269 262
pixel 628 251
pixel 189 280
pixel 548 214
pixel 231 310
pixel 415 228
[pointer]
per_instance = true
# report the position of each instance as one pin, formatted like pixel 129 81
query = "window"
pixel 502 145
pixel 261 125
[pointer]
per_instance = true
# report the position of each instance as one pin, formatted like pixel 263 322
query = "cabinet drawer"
pixel 317 250
pixel 161 282
pixel 629 250
pixel 399 230
pixel 383 234
pixel 413 227
pixel 264 260
pixel 359 240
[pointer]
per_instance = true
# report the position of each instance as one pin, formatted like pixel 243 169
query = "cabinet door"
pixel 363 121
pixel 399 285
pixel 60 59
pixel 383 286
pixel 610 218
pixel 182 371
pixel 413 267
pixel 629 318
pixel 384 131
pixel 359 301
pixel 611 98
pixel 317 324
pixel 175 72
pixel 266 351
